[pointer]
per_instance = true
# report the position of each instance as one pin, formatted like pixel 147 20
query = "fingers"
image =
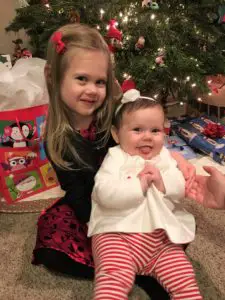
pixel 210 170
pixel 148 169
pixel 191 177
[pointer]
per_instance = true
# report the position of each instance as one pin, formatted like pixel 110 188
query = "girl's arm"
pixel 187 169
pixel 78 186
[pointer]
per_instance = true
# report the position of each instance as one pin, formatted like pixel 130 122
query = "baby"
pixel 138 224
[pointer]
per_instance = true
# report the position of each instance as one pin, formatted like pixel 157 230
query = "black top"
pixel 78 183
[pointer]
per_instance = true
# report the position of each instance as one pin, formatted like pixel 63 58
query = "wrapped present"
pixel 25 171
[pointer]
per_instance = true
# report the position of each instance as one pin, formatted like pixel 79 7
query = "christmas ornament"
pixel 154 5
pixel 151 4
pixel 23 3
pixel 127 85
pixel 74 17
pixel 25 53
pixel 146 3
pixel 44 2
pixel 114 37
pixel 140 43
pixel 160 58
pixel 221 11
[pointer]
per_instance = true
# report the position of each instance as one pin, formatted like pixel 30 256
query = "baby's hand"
pixel 154 176
pixel 145 180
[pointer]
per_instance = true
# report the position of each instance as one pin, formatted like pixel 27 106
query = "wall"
pixel 7 13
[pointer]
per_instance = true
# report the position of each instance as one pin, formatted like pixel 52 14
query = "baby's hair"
pixel 129 107
pixel 59 129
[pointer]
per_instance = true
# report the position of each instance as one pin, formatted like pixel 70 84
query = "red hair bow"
pixel 57 39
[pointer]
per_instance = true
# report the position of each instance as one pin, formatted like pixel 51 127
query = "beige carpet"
pixel 21 280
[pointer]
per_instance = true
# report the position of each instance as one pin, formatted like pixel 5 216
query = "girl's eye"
pixel 81 78
pixel 101 82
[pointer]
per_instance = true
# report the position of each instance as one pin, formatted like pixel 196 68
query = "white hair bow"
pixel 131 96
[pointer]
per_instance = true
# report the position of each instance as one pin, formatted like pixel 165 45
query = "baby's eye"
pixel 155 130
pixel 101 82
pixel 138 129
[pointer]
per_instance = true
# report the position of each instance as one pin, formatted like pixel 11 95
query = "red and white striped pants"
pixel 118 257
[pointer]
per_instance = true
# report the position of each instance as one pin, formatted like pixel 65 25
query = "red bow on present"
pixel 57 39
pixel 214 130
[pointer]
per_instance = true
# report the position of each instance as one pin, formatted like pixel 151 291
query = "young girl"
pixel 137 223
pixel 80 84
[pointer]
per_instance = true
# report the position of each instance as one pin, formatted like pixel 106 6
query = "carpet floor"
pixel 21 280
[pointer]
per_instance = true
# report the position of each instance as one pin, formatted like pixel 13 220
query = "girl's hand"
pixel 187 169
pixel 154 176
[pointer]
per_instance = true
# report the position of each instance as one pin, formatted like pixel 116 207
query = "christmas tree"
pixel 166 47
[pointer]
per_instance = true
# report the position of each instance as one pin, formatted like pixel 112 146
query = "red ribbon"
pixel 213 130
pixel 57 39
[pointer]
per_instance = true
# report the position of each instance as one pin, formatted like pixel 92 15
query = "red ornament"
pixel 26 53
pixel 114 37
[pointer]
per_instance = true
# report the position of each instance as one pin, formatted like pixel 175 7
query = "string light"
pixel 152 17
pixel 199 99
pixel 155 96
pixel 210 94
pixel 98 27
pixel 121 14
pixel 175 79
pixel 181 103
pixel 193 84
pixel 125 19
pixel 188 78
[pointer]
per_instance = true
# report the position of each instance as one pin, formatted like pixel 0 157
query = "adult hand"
pixel 209 190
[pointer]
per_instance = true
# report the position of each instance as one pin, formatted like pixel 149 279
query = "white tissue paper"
pixel 23 85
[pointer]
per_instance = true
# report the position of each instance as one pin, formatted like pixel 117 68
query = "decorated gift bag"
pixel 25 172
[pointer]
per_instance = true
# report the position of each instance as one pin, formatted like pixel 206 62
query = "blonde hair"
pixel 59 130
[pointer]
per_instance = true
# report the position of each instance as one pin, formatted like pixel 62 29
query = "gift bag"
pixel 24 168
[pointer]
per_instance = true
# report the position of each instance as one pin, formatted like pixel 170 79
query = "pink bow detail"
pixel 89 133
pixel 57 39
